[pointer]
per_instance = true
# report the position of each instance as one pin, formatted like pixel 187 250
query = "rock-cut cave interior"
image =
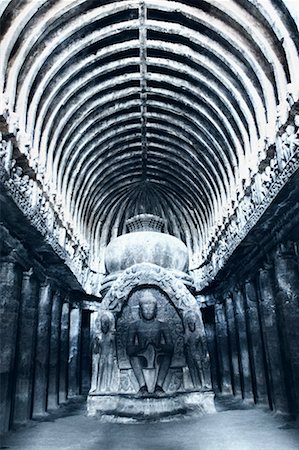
pixel 149 229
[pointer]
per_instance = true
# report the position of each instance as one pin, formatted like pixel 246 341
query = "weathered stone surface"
pixel 42 350
pixel 146 243
pixel 223 349
pixel 210 365
pixel 74 352
pixel 287 275
pixel 273 344
pixel 233 346
pixel 53 383
pixel 256 350
pixel 147 246
pixel 149 274
pixel 26 348
pixel 10 291
pixel 241 329
pixel 64 352
pixel 86 351
pixel 127 408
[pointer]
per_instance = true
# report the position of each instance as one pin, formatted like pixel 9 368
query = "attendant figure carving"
pixel 103 355
pixel 149 344
pixel 195 349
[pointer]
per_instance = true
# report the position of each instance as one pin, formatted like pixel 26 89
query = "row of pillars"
pixel 257 335
pixel 41 347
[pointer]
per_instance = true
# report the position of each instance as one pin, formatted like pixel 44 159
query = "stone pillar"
pixel 10 290
pixel 26 349
pixel 93 327
pixel 42 350
pixel 272 340
pixel 211 373
pixel 234 347
pixel 74 353
pixel 86 352
pixel 287 298
pixel 53 387
pixel 256 349
pixel 64 352
pixel 241 328
pixel 223 349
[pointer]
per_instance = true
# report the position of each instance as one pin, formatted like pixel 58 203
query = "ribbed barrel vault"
pixel 163 107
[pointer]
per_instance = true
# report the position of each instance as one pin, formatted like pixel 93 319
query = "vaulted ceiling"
pixel 153 106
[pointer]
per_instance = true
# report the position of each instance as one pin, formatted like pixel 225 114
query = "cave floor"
pixel 233 427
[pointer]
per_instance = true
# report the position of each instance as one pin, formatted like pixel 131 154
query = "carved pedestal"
pixel 124 408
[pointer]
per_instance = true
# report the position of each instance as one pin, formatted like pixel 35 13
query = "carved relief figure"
pixel 103 355
pixel 195 349
pixel 3 149
pixel 149 343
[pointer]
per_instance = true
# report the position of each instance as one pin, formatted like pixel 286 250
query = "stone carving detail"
pixel 165 313
pixel 148 274
pixel 151 306
pixel 149 344
pixel 252 213
pixel 103 354
pixel 281 163
pixel 288 142
pixel 6 151
pixel 195 349
pixel 35 204
pixel 3 150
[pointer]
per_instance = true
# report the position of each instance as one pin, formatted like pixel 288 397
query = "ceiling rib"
pixel 135 105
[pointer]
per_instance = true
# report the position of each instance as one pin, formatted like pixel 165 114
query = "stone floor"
pixel 235 429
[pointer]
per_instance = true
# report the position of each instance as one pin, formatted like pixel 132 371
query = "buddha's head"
pixel 190 320
pixel 105 324
pixel 148 305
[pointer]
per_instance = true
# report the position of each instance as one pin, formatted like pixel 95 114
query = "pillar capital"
pixel 57 295
pixel 16 254
pixel 250 291
pixel 219 299
pixel 228 296
pixel 267 266
pixel 28 274
pixel 237 288
pixel 45 282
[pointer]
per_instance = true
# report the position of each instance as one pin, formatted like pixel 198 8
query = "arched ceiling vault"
pixel 147 106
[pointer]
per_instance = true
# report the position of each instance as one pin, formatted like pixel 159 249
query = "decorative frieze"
pixel 35 205
pixel 246 216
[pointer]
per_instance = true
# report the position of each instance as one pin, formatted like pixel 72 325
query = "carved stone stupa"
pixel 150 356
